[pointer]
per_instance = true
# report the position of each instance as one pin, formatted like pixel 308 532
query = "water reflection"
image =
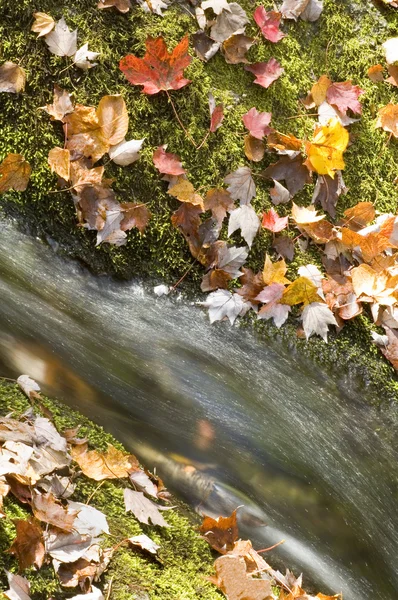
pixel 226 420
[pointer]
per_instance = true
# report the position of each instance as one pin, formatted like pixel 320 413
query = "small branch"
pixel 179 120
pixel 183 277
pixel 91 496
pixel 271 547
pixel 203 141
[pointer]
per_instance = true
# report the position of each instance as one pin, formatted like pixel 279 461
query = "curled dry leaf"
pixel 303 215
pixel 221 533
pixel 216 114
pixel 14 173
pixel 388 118
pixel 12 78
pixel 47 508
pixel 122 6
pixel 125 152
pixel 43 23
pixel 204 46
pixel 19 587
pixel 254 148
pixel 112 464
pixel 83 58
pixel 266 72
pixel 28 385
pixel 158 70
pixel 145 543
pixel 375 73
pixel 252 284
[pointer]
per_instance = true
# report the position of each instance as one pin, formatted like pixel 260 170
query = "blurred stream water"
pixel 225 419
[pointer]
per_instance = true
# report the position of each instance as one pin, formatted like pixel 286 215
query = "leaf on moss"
pixel 235 47
pixel 43 23
pixel 14 173
pixel 112 464
pixel 269 23
pixel 61 41
pixel 144 509
pixel 122 6
pixel 266 72
pixel 12 78
pixel 28 546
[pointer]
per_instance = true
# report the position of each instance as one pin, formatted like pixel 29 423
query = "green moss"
pixel 184 558
pixel 343 43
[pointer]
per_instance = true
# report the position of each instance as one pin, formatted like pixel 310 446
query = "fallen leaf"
pixel 67 547
pixel 388 119
pixel 327 192
pixel 257 123
pixel 221 533
pixel 29 386
pixel 12 78
pixel 241 185
pixel 134 215
pixel 301 291
pixel 284 247
pixel 269 23
pixel 122 6
pixel 265 72
pixel 290 170
pixel 166 162
pixel 48 436
pixel 215 279
pixel 316 318
pixel 95 593
pixel 43 23
pixel 308 10
pixel 391 350
pixel 245 219
pixel 219 202
pixel 113 119
pixel 271 296
pixel 61 41
pixel 216 114
pixel 125 152
pixel 345 96
pixel 81 572
pixel 375 73
pixel 204 46
pixel 140 479
pixel 274 272
pixel 305 214
pixel 230 259
pixel 59 162
pixel 391 50
pixel 89 520
pixel 273 222
pixel 359 215
pixel 184 191
pixel 235 47
pixel 154 6
pixel 112 464
pixel 145 543
pixel 223 305
pixel 28 546
pixel 143 509
pixel 158 70
pixel 254 148
pixel 14 173
pixel 279 194
pixel 325 151
pixel 320 231
pixel 252 284
pixel 83 58
pixel 216 5
pixel 19 587
pixel 234 581
pixel 341 298
pixel 319 91
pixel 4 489
pixel 47 508
pixel 61 106
pixel 228 23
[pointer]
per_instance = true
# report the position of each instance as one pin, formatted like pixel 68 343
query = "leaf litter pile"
pixel 41 468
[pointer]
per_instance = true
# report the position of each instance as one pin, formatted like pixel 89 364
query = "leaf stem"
pixel 203 141
pixel 183 277
pixel 179 120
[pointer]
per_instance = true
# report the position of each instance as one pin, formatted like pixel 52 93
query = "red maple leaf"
pixel 166 162
pixel 273 222
pixel 269 23
pixel 344 95
pixel 158 70
pixel 257 123
pixel 265 72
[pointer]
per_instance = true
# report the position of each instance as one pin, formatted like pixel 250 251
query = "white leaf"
pixel 316 318
pixel 95 594
pixel 326 112
pixel 271 295
pixel 83 57
pixel 245 219
pixel 125 153
pixel 143 508
pixel 161 290
pixel 229 23
pixel 379 340
pixel 28 385
pixel 19 587
pixel 312 11
pixel 200 17
pixel 217 5
pixel 61 41
pixel 111 231
pixel 231 258
pixel 89 520
pixel 391 50
pixel 153 6
pixel 48 435
pixel 279 194
pixel 224 305
pixel 144 542
pixel 241 185
pixel 67 547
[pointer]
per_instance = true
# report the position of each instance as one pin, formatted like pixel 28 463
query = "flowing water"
pixel 225 419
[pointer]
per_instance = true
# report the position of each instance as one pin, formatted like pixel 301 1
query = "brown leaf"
pixel 320 231
pixel 61 106
pixel 215 279
pixel 12 78
pixel 184 191
pixel 327 191
pixel 236 583
pixel 47 508
pixel 28 546
pixel 221 533
pixel 59 162
pixel 391 350
pixel 82 176
pixel 370 245
pixel 4 489
pixel 388 119
pixel 167 162
pixel 112 464
pixel 393 73
pixel 292 171
pixel 284 246
pixel 43 24
pixel 235 47
pixel 14 173
pixel 135 215
pixel 254 148
pixel 19 587
pixel 113 119
pixel 122 6
pixel 204 46
pixel 252 284
pixel 219 202
pixel 375 73
pixel 359 215
pixel 341 298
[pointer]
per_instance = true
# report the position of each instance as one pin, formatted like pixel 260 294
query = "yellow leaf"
pixel 325 151
pixel 59 161
pixel 274 272
pixel 303 215
pixel 113 119
pixel 43 23
pixel 388 119
pixel 301 291
pixel 319 89
pixel 14 173
pixel 184 191
pixel 113 464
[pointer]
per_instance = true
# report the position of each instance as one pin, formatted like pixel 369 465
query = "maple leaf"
pixel 221 533
pixel 145 543
pixel 279 194
pixel 14 173
pixel 223 305
pixel 325 151
pixel 43 23
pixel 292 171
pixel 61 41
pixel 341 299
pixel 257 123
pixel 12 78
pixel 252 284
pixel 301 291
pixel 83 58
pixel 154 6
pixel 125 152
pixel 113 464
pixel 305 214
pixel 375 73
pixel 216 5
pixel 228 23
pixel 28 545
pixel 284 247
pixel 235 47
pixel 184 191
pixel 266 72
pixel 245 219
pixel 359 215
pixel 158 70
pixel 166 162
pixel 19 587
pixel 345 96
pixel 59 162
pixel 327 191
pixel 271 296
pixel 214 279
pixel 61 106
pixel 122 6
pixel 144 509
pixel 317 95
pixel 47 508
pixel 269 23
pixel 273 222
pixel 274 272
pixel 234 581
pixel 308 10
pixel 204 46
pixel 388 118
pixel 316 318
pixel 134 215
pixel 370 245
pixel 241 185
pixel 219 201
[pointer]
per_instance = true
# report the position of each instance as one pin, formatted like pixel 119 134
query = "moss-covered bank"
pixel 184 561
pixel 343 43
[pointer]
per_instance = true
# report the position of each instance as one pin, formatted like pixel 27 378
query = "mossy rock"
pixel 185 560
pixel 343 43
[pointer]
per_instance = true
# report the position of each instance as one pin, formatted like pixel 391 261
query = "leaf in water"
pixel 145 543
pixel 234 581
pixel 269 23
pixel 43 23
pixel 28 546
pixel 241 185
pixel 113 464
pixel 12 78
pixel 229 23
pixel 221 533
pixel 125 152
pixel 59 162
pixel 19 587
pixel 257 123
pixel 266 72
pixel 47 508
pixel 245 219
pixel 83 58
pixel 166 162
pixel 143 509
pixel 122 6
pixel 158 70
pixel 235 47
pixel 224 305
pixel 273 222
pixel 316 318
pixel 61 41
pixel 14 173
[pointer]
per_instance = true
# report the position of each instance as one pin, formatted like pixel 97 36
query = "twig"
pixel 271 547
pixel 108 594
pixel 179 120
pixel 94 492
pixel 183 277
pixel 300 116
pixel 203 141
